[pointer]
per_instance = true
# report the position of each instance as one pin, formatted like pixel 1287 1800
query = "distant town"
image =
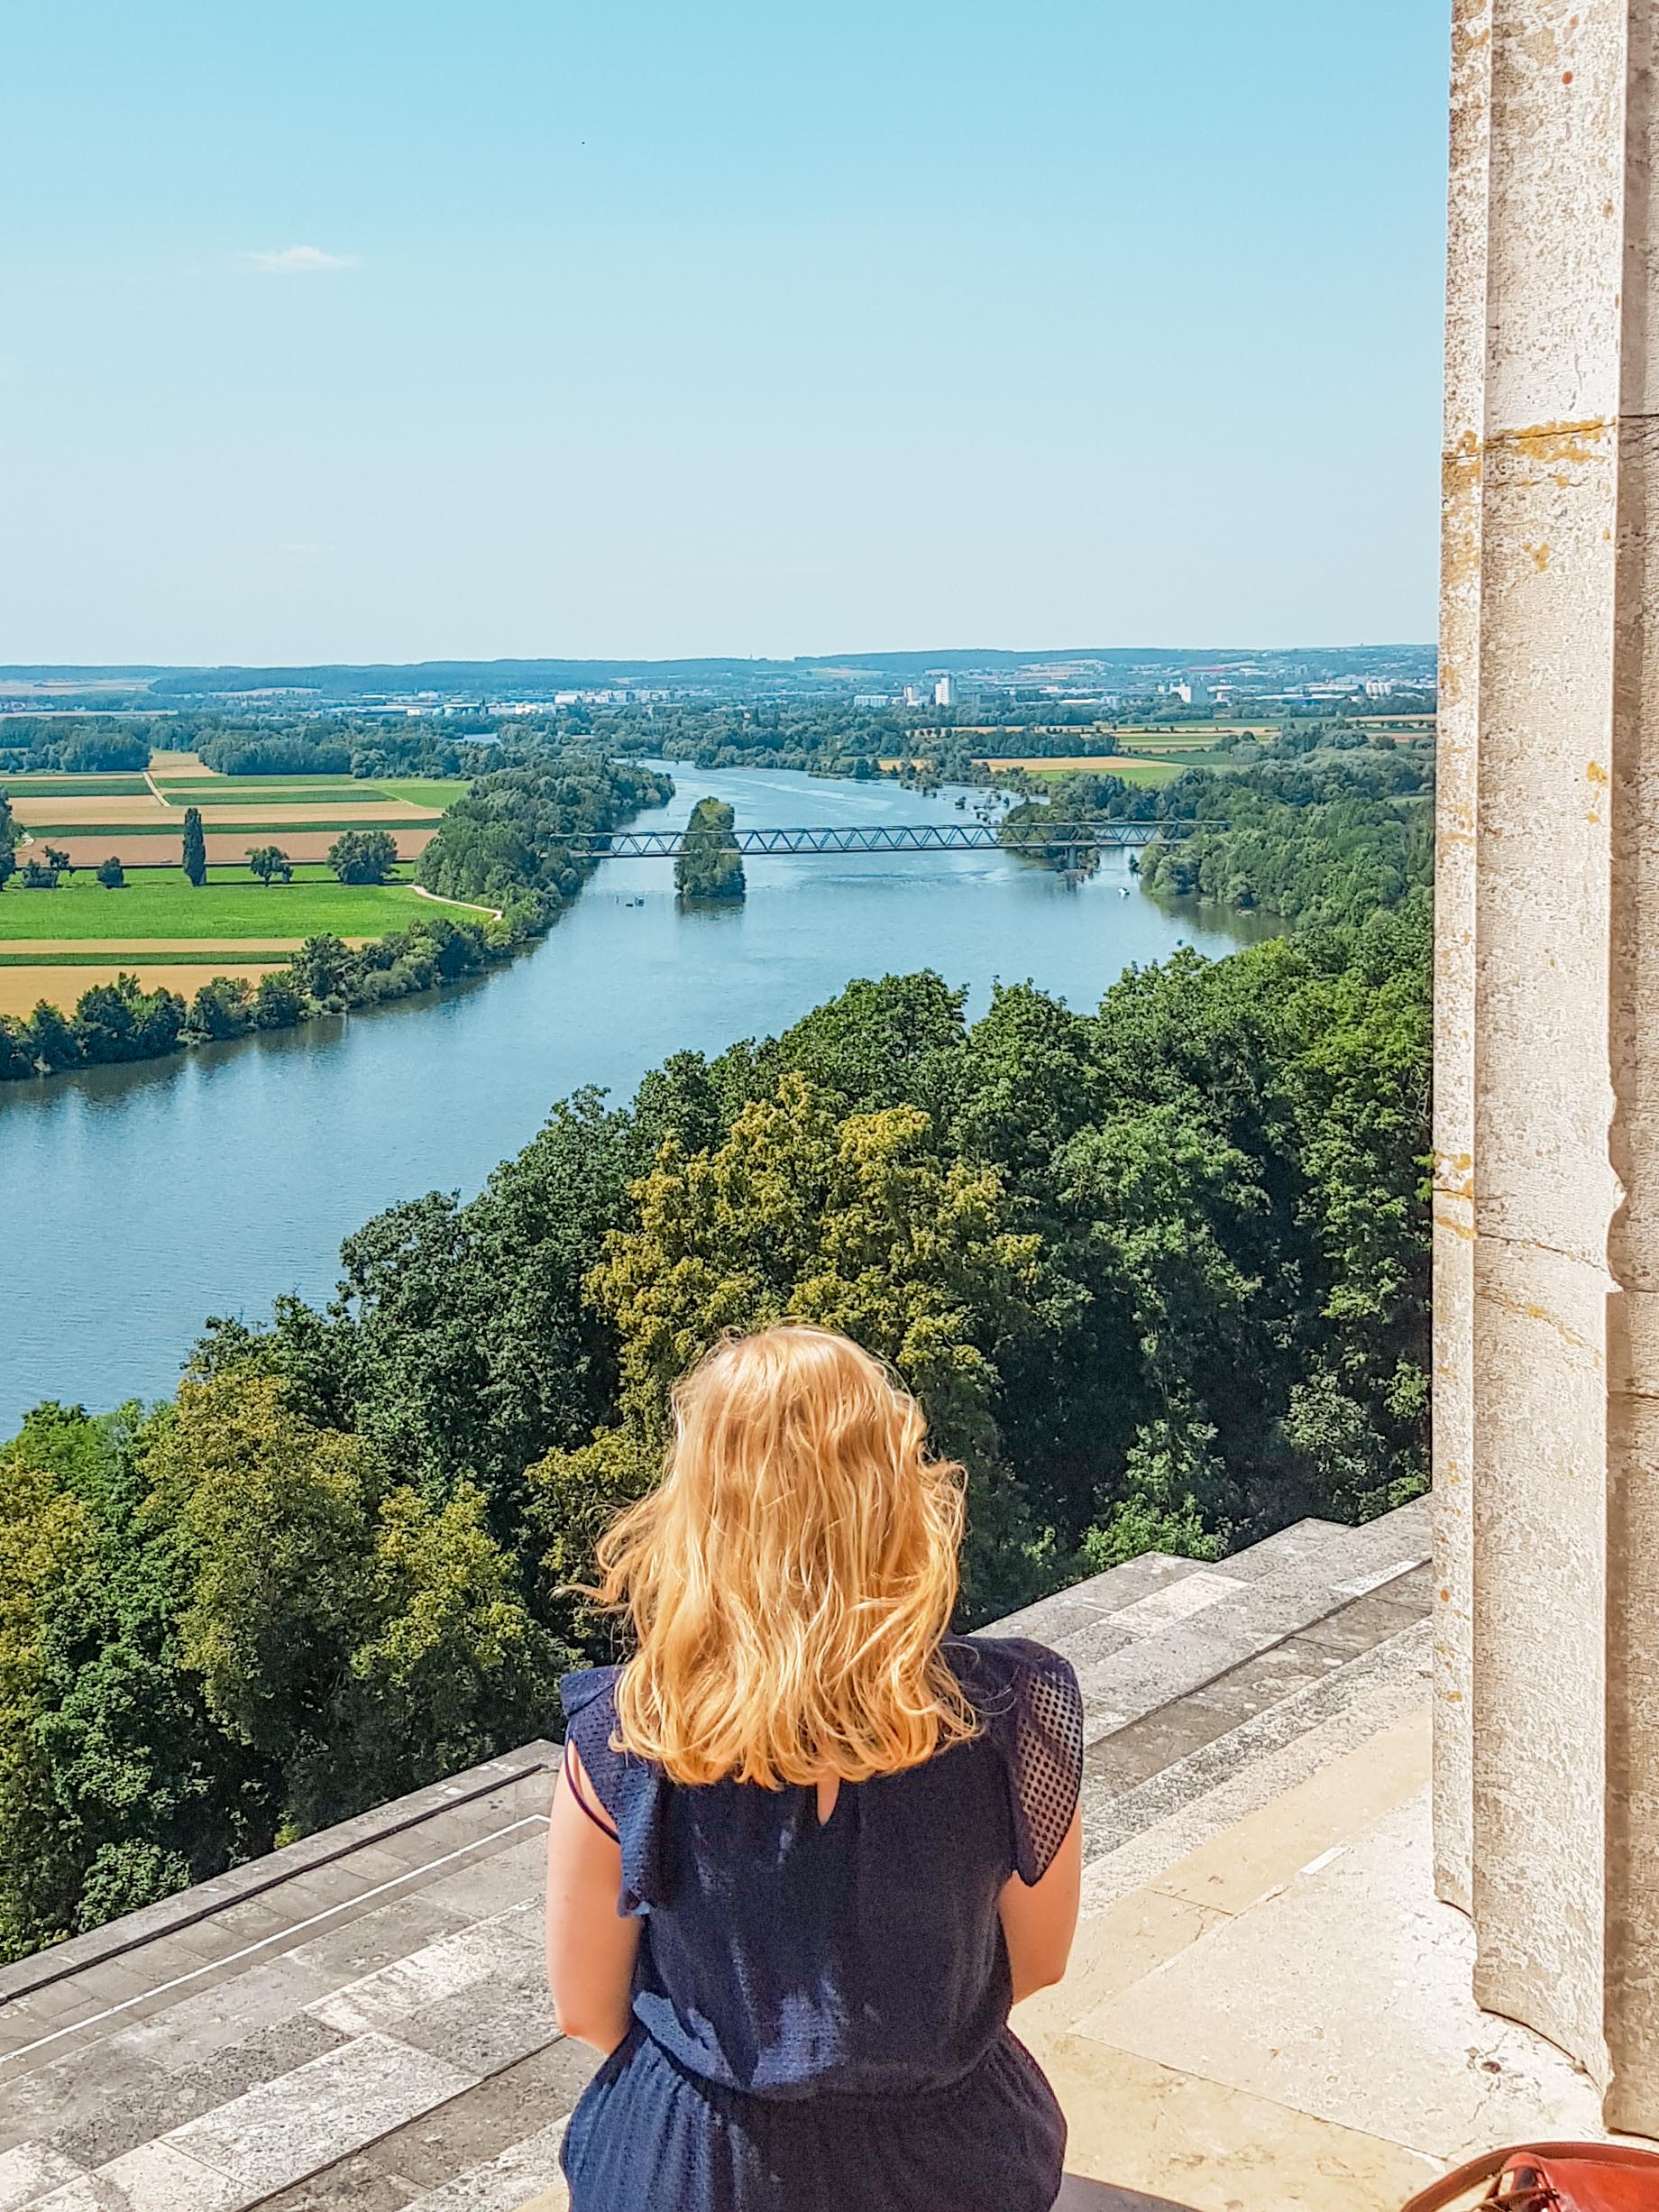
pixel 1003 686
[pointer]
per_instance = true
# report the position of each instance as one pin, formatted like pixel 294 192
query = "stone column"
pixel 1547 1136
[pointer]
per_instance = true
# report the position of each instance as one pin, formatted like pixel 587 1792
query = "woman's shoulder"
pixel 589 1686
pixel 999 1674
pixel 627 1788
pixel 1030 1705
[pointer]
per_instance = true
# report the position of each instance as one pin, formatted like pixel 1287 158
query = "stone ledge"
pixel 238 1884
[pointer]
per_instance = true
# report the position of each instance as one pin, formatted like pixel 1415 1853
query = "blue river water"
pixel 138 1201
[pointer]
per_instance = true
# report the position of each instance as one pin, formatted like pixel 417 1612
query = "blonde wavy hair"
pixel 790 1578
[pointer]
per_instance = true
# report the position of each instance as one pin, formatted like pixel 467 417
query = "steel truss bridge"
pixel 1062 838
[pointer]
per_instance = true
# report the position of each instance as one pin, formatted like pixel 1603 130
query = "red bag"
pixel 1554 2177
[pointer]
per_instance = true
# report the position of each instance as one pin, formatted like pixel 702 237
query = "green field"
pixel 74 787
pixel 308 789
pixel 304 791
pixel 1132 771
pixel 163 903
pixel 139 954
pixel 312 778
pixel 316 791
pixel 424 790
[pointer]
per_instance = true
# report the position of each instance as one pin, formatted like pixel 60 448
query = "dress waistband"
pixel 995 2060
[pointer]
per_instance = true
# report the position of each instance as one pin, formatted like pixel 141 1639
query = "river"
pixel 140 1200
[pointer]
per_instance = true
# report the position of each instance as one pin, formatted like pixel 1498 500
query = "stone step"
pixel 1191 1671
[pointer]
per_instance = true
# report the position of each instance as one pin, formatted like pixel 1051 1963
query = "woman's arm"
pixel 590 1947
pixel 1038 1923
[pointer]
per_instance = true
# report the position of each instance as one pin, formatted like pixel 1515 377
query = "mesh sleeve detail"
pixel 630 1790
pixel 1045 1763
pixel 1032 1709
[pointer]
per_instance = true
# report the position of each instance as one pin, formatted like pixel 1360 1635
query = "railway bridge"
pixel 927 837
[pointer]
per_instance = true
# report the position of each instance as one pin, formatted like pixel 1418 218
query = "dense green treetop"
pixel 363 856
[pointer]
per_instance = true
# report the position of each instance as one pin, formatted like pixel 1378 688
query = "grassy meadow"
pixel 1130 767
pixel 163 903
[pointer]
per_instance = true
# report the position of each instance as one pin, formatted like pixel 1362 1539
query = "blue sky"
pixel 644 328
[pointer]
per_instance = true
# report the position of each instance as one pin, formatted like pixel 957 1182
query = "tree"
pixel 278 1000
pixel 58 861
pixel 223 1007
pixel 270 864
pixel 119 1021
pixel 363 856
pixel 111 873
pixel 17 1062
pixel 51 1039
pixel 39 875
pixel 322 968
pixel 709 865
pixel 8 842
pixel 860 1226
pixel 194 847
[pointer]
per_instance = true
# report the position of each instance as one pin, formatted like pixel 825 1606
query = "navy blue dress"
pixel 821 2013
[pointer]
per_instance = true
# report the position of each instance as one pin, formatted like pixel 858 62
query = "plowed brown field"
pixel 227 851
pixel 48 813
pixel 21 988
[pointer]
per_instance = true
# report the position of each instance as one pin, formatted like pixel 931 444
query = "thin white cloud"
pixel 298 261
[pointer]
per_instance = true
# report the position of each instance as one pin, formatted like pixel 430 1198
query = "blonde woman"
pixel 806 1847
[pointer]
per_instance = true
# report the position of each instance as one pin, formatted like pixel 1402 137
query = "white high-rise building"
pixel 945 691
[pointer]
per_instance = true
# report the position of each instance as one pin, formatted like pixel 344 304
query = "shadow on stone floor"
pixel 1081 2195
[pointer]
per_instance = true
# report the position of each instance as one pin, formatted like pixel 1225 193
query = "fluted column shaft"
pixel 1547 1065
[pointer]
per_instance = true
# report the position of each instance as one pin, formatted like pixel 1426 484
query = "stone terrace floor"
pixel 1266 2013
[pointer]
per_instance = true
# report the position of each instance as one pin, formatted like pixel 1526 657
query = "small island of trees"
pixel 710 868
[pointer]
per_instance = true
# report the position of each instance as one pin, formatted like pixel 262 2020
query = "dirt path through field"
pixel 470 906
